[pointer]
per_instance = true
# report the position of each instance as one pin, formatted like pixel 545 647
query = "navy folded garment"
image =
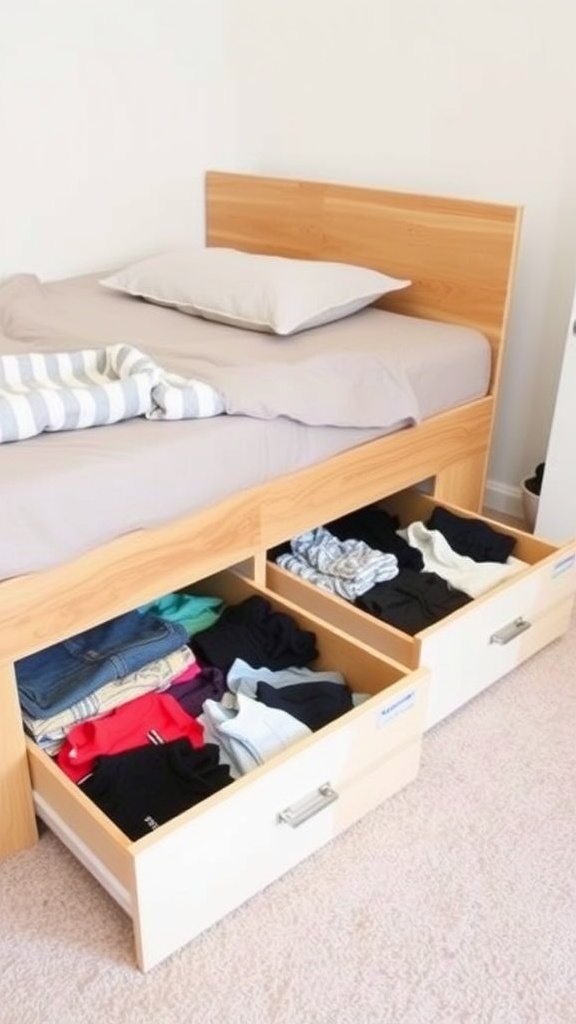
pixel 255 632
pixel 314 704
pixel 208 685
pixel 142 788
pixel 413 600
pixel 61 675
pixel 377 528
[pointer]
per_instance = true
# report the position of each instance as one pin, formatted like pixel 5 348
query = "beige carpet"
pixel 453 902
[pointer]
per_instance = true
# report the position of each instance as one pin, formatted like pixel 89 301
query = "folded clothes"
pixel 143 788
pixel 209 684
pixel 314 704
pixel 254 631
pixel 158 675
pixel 461 571
pixel 243 678
pixel 314 698
pixel 347 568
pixel 66 672
pixel 472 537
pixel 249 732
pixel 377 528
pixel 413 600
pixel 152 718
pixel 194 611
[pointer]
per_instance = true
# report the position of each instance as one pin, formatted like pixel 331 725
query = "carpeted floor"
pixel 453 903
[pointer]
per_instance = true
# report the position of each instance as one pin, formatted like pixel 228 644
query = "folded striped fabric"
pixel 92 387
pixel 345 567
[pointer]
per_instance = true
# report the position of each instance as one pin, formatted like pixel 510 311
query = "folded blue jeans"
pixel 64 673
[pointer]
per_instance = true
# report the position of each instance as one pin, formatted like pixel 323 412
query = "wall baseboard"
pixel 503 498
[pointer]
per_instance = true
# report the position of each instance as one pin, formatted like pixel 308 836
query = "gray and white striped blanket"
pixel 92 387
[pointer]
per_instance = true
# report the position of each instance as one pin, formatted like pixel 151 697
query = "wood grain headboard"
pixel 459 254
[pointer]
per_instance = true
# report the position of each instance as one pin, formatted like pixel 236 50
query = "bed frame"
pixel 460 256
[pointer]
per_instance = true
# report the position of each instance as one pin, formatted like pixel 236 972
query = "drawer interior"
pixel 343 615
pixel 336 651
pixel 409 506
pixel 364 756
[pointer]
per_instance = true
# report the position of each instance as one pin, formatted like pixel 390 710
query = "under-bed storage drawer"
pixel 194 869
pixel 471 648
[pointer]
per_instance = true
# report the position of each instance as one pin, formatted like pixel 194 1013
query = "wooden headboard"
pixel 459 254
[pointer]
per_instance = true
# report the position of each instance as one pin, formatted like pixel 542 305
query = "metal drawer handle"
pixel 510 632
pixel 306 808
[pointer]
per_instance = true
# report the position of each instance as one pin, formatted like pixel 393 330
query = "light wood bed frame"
pixel 460 256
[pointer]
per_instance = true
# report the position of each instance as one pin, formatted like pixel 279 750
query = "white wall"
pixel 437 96
pixel 110 111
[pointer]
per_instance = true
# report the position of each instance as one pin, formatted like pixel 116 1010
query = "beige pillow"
pixel 257 292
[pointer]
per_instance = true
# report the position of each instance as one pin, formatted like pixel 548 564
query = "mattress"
pixel 65 493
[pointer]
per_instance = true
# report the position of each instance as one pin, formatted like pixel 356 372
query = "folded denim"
pixel 65 673
pixel 156 676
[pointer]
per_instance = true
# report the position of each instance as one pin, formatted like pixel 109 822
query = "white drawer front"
pixel 209 861
pixel 470 650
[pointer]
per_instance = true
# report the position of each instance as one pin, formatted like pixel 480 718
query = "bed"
pixel 296 402
pixel 460 257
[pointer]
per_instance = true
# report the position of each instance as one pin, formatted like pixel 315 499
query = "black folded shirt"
pixel 412 600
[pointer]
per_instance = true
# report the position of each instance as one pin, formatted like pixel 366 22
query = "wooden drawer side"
pixel 344 615
pixel 56 795
pixel 364 667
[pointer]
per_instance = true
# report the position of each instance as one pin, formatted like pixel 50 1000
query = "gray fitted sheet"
pixel 63 494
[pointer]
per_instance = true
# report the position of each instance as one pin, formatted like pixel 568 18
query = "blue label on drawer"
pixel 396 707
pixel 563 565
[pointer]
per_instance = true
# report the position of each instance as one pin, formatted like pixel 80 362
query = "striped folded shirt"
pixel 345 567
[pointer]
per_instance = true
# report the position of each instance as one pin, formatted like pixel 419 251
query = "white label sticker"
pixel 563 565
pixel 396 707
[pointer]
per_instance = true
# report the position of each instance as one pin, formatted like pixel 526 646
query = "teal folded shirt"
pixel 193 612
